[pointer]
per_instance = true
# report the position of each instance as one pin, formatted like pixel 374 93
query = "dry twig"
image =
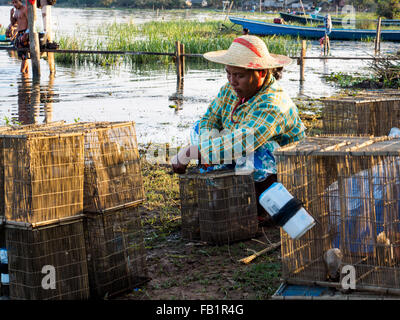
pixel 248 259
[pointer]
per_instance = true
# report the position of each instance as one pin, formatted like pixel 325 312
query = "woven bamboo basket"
pixel 17 130
pixel 365 114
pixel 43 176
pixel 351 186
pixel 226 205
pixel 115 251
pixel 112 178
pixel 60 245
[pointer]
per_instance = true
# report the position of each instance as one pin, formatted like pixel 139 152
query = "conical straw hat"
pixel 248 52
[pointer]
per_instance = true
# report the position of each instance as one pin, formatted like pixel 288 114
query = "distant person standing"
pixel 328 24
pixel 328 30
pixel 19 16
pixel 45 6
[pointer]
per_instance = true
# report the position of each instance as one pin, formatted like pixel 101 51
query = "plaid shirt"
pixel 268 116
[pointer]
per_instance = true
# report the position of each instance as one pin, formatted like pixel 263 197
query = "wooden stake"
pixel 49 35
pixel 33 41
pixel 178 60
pixel 378 37
pixel 182 60
pixel 302 60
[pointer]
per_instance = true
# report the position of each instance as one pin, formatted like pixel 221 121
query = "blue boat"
pixel 319 19
pixel 384 22
pixel 264 29
pixel 304 19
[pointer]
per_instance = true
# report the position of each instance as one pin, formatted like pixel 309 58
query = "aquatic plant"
pixel 158 36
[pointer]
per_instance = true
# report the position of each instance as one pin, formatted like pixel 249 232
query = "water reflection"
pixel 177 97
pixel 35 101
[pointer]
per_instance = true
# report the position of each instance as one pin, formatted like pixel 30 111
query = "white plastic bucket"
pixel 274 198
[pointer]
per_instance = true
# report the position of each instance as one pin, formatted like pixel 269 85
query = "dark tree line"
pixel 149 4
pixel 389 9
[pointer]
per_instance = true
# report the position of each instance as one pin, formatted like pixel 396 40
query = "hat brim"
pixel 273 61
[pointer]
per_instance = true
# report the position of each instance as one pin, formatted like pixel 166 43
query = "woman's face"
pixel 245 82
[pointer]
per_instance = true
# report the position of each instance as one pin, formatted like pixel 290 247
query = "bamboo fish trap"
pixel 14 130
pixel 60 246
pixel 112 178
pixel 351 186
pixel 366 114
pixel 226 206
pixel 115 251
pixel 43 175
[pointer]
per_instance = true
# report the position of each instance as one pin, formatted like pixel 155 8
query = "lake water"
pixel 144 96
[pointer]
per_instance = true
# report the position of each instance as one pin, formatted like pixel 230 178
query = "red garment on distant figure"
pixel 32 2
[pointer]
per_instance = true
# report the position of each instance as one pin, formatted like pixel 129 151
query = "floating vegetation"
pixel 385 73
pixel 158 36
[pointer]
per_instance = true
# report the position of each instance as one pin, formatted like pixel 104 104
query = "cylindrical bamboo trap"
pixel 351 186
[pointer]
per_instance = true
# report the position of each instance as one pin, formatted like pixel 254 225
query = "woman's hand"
pixel 182 159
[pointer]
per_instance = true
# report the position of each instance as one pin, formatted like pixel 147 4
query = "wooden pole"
pixel 378 37
pixel 178 60
pixel 229 10
pixel 182 60
pixel 49 35
pixel 327 45
pixel 302 61
pixel 33 41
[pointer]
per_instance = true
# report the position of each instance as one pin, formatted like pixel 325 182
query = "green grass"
pixel 262 277
pixel 156 36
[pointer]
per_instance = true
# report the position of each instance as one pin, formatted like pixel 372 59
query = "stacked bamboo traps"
pixel 221 207
pixel 351 187
pixel 368 113
pixel 110 191
pixel 42 187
